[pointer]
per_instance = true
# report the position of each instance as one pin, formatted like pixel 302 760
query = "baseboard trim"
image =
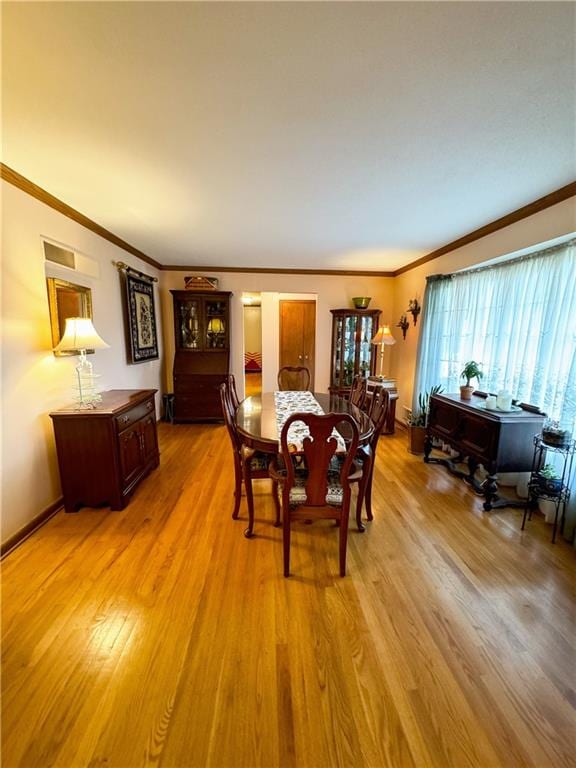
pixel 27 530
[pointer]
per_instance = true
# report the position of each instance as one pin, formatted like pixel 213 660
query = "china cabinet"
pixel 352 352
pixel 201 353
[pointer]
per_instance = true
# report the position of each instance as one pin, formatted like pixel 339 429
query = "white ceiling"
pixel 298 135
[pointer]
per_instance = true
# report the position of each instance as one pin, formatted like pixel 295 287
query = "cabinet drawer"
pixel 203 405
pixel 126 419
pixel 186 384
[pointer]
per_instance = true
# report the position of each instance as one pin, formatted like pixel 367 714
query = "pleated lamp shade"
pixel 79 333
pixel 383 336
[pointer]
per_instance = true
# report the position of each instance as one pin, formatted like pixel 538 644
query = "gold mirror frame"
pixel 66 300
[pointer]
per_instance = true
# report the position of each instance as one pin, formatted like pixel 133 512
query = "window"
pixel 517 318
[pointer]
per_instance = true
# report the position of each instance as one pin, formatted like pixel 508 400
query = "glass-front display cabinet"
pixel 201 354
pixel 352 352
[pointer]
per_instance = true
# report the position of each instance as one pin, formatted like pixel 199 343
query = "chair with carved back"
pixel 248 464
pixel 294 377
pixel 231 381
pixel 318 492
pixel 366 456
pixel 357 394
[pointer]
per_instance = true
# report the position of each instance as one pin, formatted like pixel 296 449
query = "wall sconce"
pixel 80 335
pixel 404 325
pixel 414 309
pixel 383 338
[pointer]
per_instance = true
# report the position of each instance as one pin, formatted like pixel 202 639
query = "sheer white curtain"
pixel 518 319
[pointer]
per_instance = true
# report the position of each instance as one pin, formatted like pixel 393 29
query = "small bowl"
pixel 361 302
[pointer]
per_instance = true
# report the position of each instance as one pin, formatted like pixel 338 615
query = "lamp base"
pixel 87 397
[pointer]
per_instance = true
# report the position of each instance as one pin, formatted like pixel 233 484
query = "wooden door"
pixel 298 335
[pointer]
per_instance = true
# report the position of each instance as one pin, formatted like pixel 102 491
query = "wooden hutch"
pixel 201 353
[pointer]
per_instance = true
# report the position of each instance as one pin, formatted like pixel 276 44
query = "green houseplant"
pixel 418 420
pixel 549 480
pixel 470 371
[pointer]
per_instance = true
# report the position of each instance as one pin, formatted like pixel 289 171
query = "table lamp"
pixel 383 338
pixel 216 331
pixel 80 335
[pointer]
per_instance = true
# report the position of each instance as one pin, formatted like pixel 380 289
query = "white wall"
pixel 252 328
pixel 332 291
pixel 34 382
pixel 548 224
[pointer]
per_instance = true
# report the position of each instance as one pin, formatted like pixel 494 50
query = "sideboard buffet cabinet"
pixel 500 441
pixel 104 452
pixel 201 353
pixel 352 352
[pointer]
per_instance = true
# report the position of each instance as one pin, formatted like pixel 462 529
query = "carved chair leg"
pixel 277 522
pixel 343 541
pixel 249 532
pixel 237 487
pixel 359 501
pixel 366 486
pixel 286 540
pixel 369 514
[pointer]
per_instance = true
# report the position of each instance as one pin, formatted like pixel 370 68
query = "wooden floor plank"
pixel 160 636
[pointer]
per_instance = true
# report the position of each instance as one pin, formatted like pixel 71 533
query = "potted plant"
pixel 549 481
pixel 470 371
pixel 553 434
pixel 418 420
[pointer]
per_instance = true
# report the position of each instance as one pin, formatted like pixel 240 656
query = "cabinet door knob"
pixel 124 419
pixel 149 405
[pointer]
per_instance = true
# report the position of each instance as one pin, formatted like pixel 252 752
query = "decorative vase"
pixel 466 393
pixel 361 302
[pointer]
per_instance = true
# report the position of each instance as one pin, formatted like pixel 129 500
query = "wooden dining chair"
pixel 231 381
pixel 317 492
pixel 358 391
pixel 248 464
pixel 295 378
pixel 366 455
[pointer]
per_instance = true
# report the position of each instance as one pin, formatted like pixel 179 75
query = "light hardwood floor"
pixel 161 636
pixel 253 384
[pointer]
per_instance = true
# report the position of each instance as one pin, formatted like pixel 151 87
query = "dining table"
pixel 259 418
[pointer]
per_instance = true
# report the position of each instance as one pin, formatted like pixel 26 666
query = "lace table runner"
pixel 291 402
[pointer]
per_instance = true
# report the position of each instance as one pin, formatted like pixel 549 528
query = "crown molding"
pixel 558 196
pixel 277 271
pixel 15 178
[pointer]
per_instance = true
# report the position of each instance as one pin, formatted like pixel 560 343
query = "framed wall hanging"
pixel 140 315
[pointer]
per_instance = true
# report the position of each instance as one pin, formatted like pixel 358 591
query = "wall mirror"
pixel 66 300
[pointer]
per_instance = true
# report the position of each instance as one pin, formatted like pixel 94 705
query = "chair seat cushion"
pixel 259 462
pixel 334 492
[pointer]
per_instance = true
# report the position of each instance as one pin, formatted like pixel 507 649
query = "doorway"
pixel 252 343
pixel 298 334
